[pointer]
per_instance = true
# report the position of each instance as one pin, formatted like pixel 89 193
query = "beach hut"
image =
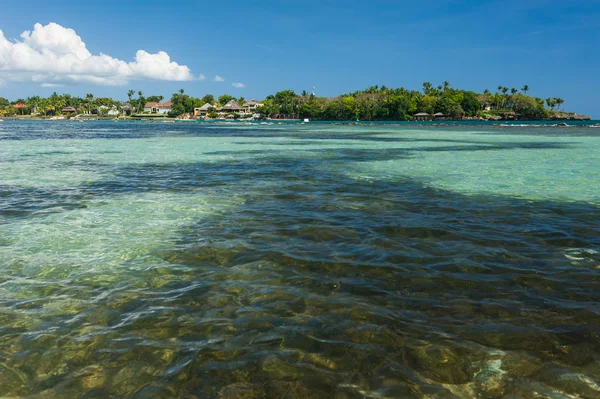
pixel 421 116
pixel 438 115
pixel 68 110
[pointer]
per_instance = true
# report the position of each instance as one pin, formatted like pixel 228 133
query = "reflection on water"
pixel 254 263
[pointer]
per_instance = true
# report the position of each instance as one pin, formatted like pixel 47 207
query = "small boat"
pixel 306 120
pixel 1 120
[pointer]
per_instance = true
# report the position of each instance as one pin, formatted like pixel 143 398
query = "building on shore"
pixel 422 116
pixel 69 110
pixel 203 111
pixel 126 109
pixel 251 106
pixel 158 108
pixel 105 110
pixel 232 107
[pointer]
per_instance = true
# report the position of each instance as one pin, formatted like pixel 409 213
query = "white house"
pixel 251 106
pixel 113 111
pixel 158 108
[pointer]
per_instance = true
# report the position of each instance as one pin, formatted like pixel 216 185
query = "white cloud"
pixel 51 85
pixel 53 54
pixel 218 78
pixel 238 85
pixel 201 77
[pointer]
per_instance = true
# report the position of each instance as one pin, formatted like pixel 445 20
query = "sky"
pixel 109 47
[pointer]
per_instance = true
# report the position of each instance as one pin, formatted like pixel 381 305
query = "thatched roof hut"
pixel 232 106
pixel 421 115
pixel 68 110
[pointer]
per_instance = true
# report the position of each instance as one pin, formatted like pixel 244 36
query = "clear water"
pixel 226 261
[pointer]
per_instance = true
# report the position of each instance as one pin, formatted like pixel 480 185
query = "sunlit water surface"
pixel 216 261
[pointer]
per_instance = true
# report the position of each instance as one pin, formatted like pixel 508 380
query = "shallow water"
pixel 193 260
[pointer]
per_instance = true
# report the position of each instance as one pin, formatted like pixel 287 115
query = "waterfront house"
pixel 203 110
pixel 126 109
pixel 20 107
pixel 251 106
pixel 232 107
pixel 485 103
pixel 158 108
pixel 112 111
pixel 68 110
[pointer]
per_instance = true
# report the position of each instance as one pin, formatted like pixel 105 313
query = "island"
pixel 376 103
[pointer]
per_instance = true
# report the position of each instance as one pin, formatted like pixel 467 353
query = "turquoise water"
pixel 200 260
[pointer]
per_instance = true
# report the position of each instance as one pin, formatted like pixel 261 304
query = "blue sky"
pixel 337 46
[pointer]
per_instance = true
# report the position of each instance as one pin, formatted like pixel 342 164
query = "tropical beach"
pixel 375 103
pixel 307 200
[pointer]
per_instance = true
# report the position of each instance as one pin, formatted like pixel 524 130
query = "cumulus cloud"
pixel 218 78
pixel 201 77
pixel 238 85
pixel 53 54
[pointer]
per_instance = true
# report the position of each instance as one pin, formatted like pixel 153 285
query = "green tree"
pixel 558 102
pixel 470 104
pixel 225 98
pixel 525 89
pixel 427 88
pixel 209 98
pixel 89 97
pixel 141 101
pixel 154 99
pixel 177 110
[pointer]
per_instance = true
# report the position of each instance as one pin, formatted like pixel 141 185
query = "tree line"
pixel 373 103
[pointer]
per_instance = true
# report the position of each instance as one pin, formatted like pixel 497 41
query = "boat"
pixel 306 120
pixel 1 120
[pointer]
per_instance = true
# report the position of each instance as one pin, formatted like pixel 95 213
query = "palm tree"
pixel 550 102
pixel 513 91
pixel 181 91
pixel 499 88
pixel 504 91
pixel 486 92
pixel 525 89
pixel 141 100
pixel 446 85
pixel 89 97
pixel 427 86
pixel 130 94
pixel 558 101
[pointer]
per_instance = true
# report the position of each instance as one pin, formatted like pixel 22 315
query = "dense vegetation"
pixel 374 103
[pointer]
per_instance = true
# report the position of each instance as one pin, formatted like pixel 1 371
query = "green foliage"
pixel 374 103
pixel 225 98
pixel 209 98
pixel 529 108
pixel 470 104
pixel 177 110
pixel 154 99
